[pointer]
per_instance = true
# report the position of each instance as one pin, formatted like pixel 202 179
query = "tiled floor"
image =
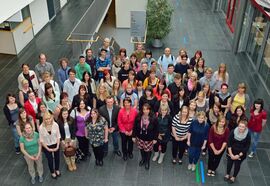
pixel 194 27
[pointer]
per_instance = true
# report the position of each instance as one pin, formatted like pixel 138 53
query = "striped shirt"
pixel 181 128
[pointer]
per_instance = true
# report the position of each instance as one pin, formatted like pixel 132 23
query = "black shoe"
pixel 141 163
pixel 54 176
pixel 125 157
pixel 97 163
pixel 117 152
pixel 105 154
pixel 130 155
pixel 58 174
pixel 101 163
pixel 147 165
pixel 17 150
pixel 84 158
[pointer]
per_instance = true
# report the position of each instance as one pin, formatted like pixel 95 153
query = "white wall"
pixel 123 8
pixel 39 14
pixel 62 3
pixel 23 34
pixel 10 7
pixel 7 44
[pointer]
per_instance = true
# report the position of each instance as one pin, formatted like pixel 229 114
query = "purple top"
pixel 80 122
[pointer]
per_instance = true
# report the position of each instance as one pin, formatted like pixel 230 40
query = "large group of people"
pixel 142 101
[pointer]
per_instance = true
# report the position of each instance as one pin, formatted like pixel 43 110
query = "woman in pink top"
pixel 162 86
pixel 126 119
pixel 131 80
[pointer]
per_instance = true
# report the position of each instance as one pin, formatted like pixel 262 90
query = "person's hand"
pixel 106 140
pixel 126 133
pixel 203 147
pixel 154 141
pixel 33 158
pixel 188 143
pixel 134 140
pixel 159 137
pixel 112 129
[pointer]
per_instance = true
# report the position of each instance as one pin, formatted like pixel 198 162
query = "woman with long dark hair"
pixel 82 94
pixel 164 102
pixel 148 97
pixel 162 86
pixel 239 114
pixel 97 132
pixel 181 99
pixel 51 98
pixel 23 118
pixel 67 130
pixel 145 134
pixel 11 111
pixel 90 84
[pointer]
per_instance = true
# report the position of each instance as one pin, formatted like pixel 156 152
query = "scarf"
pixel 240 136
pixel 190 85
pixel 144 124
pixel 212 117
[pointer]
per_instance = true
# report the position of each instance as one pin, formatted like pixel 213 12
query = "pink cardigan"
pixel 126 121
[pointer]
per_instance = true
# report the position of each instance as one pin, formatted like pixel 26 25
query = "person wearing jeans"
pixel 197 139
pixel 256 124
pixel 238 145
pixel 217 142
pixel 110 113
pixel 50 140
pixel 126 119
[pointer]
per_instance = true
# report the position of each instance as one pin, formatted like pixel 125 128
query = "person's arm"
pixel 264 120
pixel 21 98
pixel 33 124
pixel 58 137
pixel 24 152
pixel 120 122
pixel 106 133
pixel 135 103
pixel 18 128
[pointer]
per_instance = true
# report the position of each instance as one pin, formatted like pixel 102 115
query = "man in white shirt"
pixel 166 59
pixel 71 85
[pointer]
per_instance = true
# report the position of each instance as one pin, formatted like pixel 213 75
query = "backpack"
pixel 161 57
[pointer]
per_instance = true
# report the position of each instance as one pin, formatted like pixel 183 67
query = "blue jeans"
pixel 194 154
pixel 115 142
pixel 16 136
pixel 255 136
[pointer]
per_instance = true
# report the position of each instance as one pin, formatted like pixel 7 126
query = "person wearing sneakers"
pixel 164 127
pixel 67 131
pixel 256 124
pixel 197 139
pixel 31 148
pixel 145 134
pixel 180 126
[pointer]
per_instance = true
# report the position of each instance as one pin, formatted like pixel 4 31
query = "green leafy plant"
pixel 159 13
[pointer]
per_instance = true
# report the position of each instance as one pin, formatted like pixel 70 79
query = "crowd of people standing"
pixel 136 98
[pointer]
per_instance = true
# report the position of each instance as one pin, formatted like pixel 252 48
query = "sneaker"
pixel 33 181
pixel 189 166
pixel 40 179
pixel 193 167
pixel 18 151
pixel 251 155
pixel 203 153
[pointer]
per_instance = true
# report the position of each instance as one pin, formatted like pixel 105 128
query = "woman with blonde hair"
pixel 202 103
pixel 193 86
pixel 240 97
pixel 101 95
pixel 220 76
pixel 217 142
pixel 50 140
pixel 117 91
pixel 31 148
pixel 23 96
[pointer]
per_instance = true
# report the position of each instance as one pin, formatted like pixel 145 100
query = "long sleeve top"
pixel 46 137
pixel 62 75
pixel 126 120
pixel 198 132
pixel 217 139
pixel 146 134
pixel 239 146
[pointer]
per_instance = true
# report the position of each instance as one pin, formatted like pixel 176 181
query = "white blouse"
pixel 46 137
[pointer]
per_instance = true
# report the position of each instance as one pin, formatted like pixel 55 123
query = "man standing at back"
pixel 166 59
pixel 82 67
pixel 109 49
pixel 71 85
pixel 43 66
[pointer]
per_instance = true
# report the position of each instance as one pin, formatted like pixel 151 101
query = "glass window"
pixel 224 6
pixel 256 35
pixel 264 69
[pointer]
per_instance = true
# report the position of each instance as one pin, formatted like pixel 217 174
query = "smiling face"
pixel 11 99
pixel 28 128
pixel 25 69
pixel 241 127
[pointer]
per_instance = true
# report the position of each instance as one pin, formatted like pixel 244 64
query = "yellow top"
pixel 238 100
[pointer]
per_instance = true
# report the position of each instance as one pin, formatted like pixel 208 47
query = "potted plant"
pixel 158 13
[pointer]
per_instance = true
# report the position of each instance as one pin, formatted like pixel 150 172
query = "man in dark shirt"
pixel 182 67
pixel 123 73
pixel 90 59
pixel 175 86
pixel 143 73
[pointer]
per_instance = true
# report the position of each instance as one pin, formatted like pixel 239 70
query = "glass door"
pixel 233 6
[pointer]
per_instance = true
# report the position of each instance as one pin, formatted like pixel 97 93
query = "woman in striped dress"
pixel 180 127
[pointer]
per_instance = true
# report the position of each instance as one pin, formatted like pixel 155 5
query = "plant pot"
pixel 157 43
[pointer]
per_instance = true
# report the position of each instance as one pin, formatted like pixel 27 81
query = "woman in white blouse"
pixel 50 140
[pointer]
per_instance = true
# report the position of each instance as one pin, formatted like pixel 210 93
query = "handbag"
pixel 69 151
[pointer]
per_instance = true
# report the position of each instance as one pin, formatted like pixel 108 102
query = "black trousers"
pixel 163 146
pixel 83 145
pixel 98 152
pixel 213 160
pixel 53 158
pixel 180 146
pixel 237 165
pixel 127 144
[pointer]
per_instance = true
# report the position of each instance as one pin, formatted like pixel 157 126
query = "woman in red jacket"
pixel 256 123
pixel 31 105
pixel 126 119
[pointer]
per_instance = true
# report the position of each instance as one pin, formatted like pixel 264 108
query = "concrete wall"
pixel 7 45
pixel 10 7
pixel 123 8
pixel 39 14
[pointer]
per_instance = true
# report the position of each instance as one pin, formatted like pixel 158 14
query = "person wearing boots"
pixel 145 134
pixel 164 125
pixel 67 131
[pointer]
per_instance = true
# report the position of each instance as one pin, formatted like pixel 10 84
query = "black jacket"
pixel 141 76
pixel 172 112
pixel 7 114
pixel 151 133
pixel 103 111
pixel 72 129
